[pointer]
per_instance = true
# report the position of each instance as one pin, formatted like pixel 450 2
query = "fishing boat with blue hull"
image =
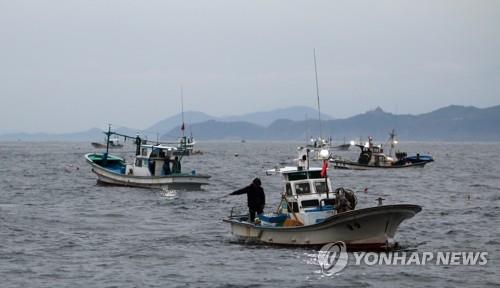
pixel 372 157
pixel 154 166
pixel 311 213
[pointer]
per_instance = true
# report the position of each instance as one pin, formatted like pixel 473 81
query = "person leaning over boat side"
pixel 256 198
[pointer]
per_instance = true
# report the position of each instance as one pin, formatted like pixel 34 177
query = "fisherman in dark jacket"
pixel 255 197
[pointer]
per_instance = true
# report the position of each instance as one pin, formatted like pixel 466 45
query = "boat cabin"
pixel 308 197
pixel 373 155
pixel 154 160
pixel 185 146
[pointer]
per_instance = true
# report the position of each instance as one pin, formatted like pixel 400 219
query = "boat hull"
pixel 174 181
pixel 350 165
pixel 370 228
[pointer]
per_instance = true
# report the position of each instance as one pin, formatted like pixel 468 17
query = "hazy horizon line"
pixel 8 131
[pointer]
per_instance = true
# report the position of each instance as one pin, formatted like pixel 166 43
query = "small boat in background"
pixel 186 146
pixel 113 144
pixel 154 166
pixel 372 157
pixel 312 213
pixel 343 147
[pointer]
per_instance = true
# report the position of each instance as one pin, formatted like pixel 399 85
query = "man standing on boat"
pixel 176 165
pixel 255 197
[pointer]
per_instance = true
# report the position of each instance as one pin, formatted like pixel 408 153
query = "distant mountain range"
pixel 265 118
pixel 452 123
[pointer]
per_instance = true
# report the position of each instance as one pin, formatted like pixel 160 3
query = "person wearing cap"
pixel 256 198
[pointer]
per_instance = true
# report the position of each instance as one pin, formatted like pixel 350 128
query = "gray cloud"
pixel 71 65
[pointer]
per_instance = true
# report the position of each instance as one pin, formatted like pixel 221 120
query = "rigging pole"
pixel 182 112
pixel 317 95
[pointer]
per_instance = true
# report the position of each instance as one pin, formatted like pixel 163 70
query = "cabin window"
pixel 315 174
pixel 310 203
pixel 293 207
pixel 144 152
pixel 297 176
pixel 302 188
pixel 138 162
pixel 288 189
pixel 155 153
pixel 330 201
pixel 145 162
pixel 320 187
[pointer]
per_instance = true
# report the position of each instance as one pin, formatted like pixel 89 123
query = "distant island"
pixel 298 123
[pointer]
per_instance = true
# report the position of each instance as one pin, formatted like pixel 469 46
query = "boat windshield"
pixel 161 152
pixel 302 188
pixel 320 186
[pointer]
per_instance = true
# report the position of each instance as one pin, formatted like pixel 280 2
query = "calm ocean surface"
pixel 59 229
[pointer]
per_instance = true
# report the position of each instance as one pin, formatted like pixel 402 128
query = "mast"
pixel 317 94
pixel 108 134
pixel 182 112
pixel 393 141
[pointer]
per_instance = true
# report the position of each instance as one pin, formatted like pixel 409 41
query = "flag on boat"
pixel 182 126
pixel 325 167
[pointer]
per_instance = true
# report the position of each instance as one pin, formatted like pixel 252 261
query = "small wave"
pixel 113 215
pixel 168 193
pixel 493 242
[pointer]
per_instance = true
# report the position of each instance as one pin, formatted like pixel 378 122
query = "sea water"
pixel 60 229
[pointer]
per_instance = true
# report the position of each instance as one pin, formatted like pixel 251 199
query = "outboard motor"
pixel 346 199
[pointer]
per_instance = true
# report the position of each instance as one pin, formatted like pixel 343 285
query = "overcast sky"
pixel 71 65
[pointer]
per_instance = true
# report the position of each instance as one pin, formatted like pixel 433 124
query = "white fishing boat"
pixel 343 147
pixel 186 146
pixel 319 143
pixel 312 213
pixel 154 166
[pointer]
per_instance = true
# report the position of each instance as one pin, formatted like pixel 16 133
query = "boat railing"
pixel 238 211
pixel 242 210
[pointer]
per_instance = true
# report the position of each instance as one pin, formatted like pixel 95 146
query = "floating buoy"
pixel 236 155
